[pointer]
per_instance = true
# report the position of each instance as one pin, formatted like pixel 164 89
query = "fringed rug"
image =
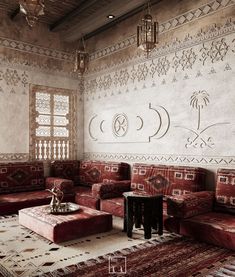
pixel 26 254
pixel 179 257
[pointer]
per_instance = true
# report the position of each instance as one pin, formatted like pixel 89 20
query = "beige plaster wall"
pixel 175 107
pixel 30 56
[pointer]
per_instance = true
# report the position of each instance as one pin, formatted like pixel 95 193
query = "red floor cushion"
pixel 213 227
pixel 83 196
pixel 114 206
pixel 59 228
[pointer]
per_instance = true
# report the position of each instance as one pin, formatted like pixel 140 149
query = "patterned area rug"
pixel 179 257
pixel 26 254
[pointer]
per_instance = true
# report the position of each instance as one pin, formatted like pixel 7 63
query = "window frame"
pixel 72 122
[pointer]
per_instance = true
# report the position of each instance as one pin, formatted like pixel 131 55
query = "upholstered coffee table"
pixel 64 227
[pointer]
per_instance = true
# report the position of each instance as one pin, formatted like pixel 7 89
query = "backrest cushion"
pixel 167 180
pixel 16 177
pixel 225 190
pixel 68 169
pixel 91 172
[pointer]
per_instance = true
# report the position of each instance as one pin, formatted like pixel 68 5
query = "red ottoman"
pixel 59 228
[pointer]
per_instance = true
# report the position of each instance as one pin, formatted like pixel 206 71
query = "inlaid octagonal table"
pixel 64 227
pixel 141 208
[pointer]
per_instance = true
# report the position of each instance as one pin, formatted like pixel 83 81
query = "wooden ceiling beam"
pixel 119 19
pixel 80 8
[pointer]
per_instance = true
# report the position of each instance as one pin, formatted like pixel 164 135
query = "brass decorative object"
pixel 147 32
pixel 32 10
pixel 57 197
pixel 81 59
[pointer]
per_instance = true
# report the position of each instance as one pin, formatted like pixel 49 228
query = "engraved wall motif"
pixel 27 57
pixel 198 137
pixel 197 59
pixel 201 55
pixel 182 19
pixel 8 157
pixel 148 123
pixel 166 158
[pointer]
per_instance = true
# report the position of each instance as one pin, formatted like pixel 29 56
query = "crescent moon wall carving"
pixel 122 126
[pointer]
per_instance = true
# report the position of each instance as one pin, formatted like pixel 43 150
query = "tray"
pixel 64 208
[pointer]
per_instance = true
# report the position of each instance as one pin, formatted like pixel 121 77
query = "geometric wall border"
pixel 34 49
pixel 5 157
pixel 173 23
pixel 209 34
pixel 171 159
pixel 189 16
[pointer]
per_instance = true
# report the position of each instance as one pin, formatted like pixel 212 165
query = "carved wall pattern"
pixel 6 157
pixel 198 137
pixel 171 159
pixel 189 16
pixel 34 49
pixel 182 68
pixel 147 123
pixel 211 33
pixel 178 56
pixel 13 81
pixel 58 67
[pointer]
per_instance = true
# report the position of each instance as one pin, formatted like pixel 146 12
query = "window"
pixel 52 123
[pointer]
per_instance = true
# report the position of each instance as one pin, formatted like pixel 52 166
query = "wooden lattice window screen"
pixel 52 123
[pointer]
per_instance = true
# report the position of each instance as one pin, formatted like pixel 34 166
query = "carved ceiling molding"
pixel 210 33
pixel 6 157
pixel 171 24
pixel 156 158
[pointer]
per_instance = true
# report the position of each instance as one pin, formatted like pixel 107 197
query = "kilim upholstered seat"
pixel 59 228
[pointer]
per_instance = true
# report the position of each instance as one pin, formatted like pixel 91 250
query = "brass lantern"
pixel 81 59
pixel 147 33
pixel 32 10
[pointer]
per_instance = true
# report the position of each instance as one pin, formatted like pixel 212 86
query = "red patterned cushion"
pixel 167 180
pixel 68 169
pixel 110 190
pixel 16 177
pixel 102 172
pixel 184 206
pixel 225 190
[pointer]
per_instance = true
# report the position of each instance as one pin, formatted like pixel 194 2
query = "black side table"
pixel 140 208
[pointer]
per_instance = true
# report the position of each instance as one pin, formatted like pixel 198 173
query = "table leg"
pixel 125 217
pixel 147 220
pixel 129 216
pixel 160 216
pixel 138 215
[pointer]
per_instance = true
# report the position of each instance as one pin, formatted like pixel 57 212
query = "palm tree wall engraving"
pixel 198 137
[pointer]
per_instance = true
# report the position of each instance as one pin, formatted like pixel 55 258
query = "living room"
pixel 116 123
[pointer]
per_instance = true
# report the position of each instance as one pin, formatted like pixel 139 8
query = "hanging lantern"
pixel 147 33
pixel 81 60
pixel 32 10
